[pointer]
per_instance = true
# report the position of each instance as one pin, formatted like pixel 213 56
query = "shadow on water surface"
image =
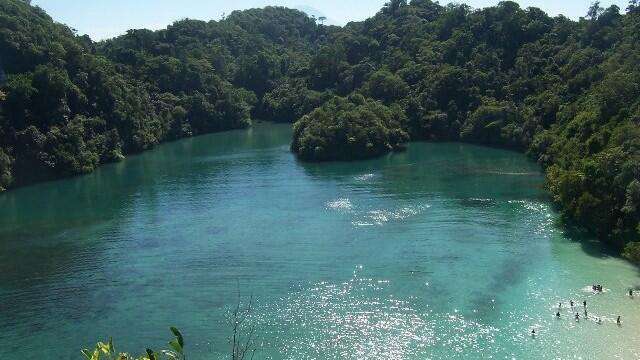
pixel 589 244
pixel 474 175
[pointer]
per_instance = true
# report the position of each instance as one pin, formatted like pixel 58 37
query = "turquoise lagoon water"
pixel 446 251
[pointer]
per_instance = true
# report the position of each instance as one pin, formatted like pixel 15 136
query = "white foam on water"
pixel 365 177
pixel 380 217
pixel 341 203
pixel 481 200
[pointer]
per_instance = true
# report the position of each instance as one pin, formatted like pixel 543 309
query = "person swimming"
pixel 571 303
pixel 560 305
pixel 577 316
pixel 557 314
pixel 631 292
pixel 599 321
pixel 533 332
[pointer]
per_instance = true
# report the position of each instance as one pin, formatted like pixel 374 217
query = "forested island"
pixel 565 92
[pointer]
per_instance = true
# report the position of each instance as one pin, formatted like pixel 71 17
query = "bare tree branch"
pixel 243 338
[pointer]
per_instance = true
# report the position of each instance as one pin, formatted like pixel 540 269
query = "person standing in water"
pixel 584 303
pixel 630 292
pixel 618 321
pixel 571 303
pixel 577 317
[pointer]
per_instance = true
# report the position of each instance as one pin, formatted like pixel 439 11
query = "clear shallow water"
pixel 447 251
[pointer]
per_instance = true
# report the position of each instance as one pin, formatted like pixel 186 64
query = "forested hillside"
pixel 566 92
pixel 65 108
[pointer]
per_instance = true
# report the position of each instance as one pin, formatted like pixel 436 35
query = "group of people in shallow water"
pixel 597 288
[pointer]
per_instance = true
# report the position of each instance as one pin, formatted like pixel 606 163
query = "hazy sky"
pixel 106 18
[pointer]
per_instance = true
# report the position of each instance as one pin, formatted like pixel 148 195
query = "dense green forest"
pixel 359 128
pixel 566 92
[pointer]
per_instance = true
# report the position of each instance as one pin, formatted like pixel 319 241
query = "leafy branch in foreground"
pixel 109 352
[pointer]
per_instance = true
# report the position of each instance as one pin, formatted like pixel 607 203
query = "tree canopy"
pixel 349 128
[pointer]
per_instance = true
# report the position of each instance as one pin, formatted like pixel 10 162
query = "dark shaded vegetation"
pixel 566 92
pixel 349 128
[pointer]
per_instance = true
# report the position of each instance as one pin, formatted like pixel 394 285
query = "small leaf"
pixel 175 344
pixel 170 354
pixel 178 335
pixel 104 348
pixel 151 355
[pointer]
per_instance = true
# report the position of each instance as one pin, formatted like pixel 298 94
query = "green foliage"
pixel 290 100
pixel 107 351
pixel 349 128
pixel 496 123
pixel 632 252
pixel 66 109
pixel 386 87
pixel 5 170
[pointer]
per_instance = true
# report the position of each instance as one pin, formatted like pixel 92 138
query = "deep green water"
pixel 445 251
